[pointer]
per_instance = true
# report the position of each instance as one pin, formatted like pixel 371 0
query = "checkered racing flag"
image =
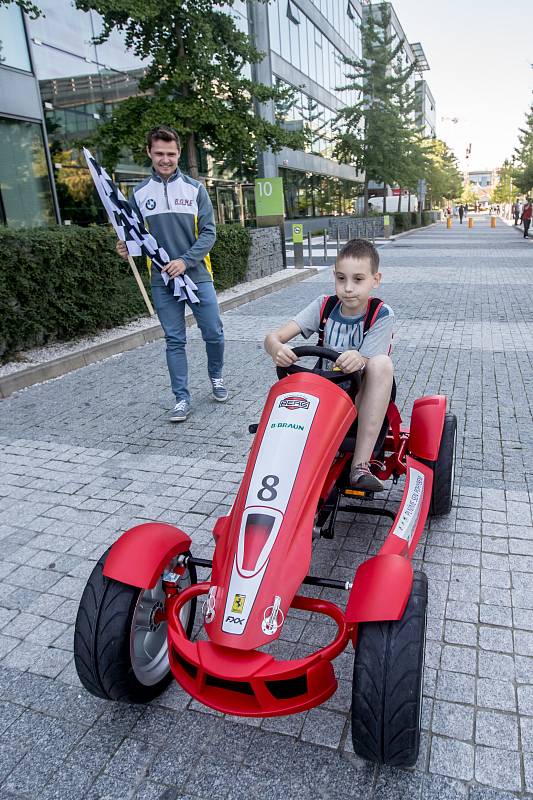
pixel 131 230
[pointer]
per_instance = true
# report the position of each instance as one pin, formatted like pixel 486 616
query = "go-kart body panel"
pixel 252 683
pixel 264 546
pixel 381 589
pixel 140 555
pixel 427 423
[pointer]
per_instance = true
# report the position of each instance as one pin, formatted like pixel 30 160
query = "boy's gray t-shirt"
pixel 346 333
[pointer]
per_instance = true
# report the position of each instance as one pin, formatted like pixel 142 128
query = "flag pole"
pixel 141 286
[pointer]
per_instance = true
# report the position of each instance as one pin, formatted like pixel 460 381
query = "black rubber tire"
pixel 387 684
pixel 102 639
pixel 444 470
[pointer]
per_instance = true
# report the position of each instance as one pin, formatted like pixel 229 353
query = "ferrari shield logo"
pixel 238 604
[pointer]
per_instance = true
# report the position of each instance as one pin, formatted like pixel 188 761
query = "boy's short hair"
pixel 360 248
pixel 164 132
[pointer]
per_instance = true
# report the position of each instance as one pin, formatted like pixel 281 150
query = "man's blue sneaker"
pixel 180 412
pixel 220 393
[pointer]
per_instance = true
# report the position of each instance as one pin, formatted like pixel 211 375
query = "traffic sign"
pixel 297 233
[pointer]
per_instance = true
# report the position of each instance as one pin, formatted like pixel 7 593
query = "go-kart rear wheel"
pixel 120 645
pixel 387 684
pixel 444 470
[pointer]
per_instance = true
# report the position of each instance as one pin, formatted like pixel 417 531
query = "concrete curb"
pixel 413 230
pixel 82 358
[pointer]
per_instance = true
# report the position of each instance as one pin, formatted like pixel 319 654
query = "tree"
pixel 505 189
pixel 524 172
pixel 194 81
pixel 443 179
pixel 375 133
pixel 469 195
pixel 30 8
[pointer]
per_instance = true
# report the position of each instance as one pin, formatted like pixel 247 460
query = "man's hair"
pixel 164 132
pixel 360 248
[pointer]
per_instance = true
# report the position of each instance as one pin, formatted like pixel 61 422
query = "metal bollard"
pixel 325 245
pixel 493 222
pixel 470 222
pixel 310 246
pixel 448 222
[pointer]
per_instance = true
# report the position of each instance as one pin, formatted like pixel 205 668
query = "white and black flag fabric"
pixel 131 230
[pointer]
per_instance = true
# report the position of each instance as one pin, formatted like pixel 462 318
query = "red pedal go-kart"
pixel 136 615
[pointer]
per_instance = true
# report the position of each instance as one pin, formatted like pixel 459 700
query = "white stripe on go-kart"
pixel 406 524
pixel 271 484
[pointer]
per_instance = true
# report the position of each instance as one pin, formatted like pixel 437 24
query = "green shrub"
pixel 402 221
pixel 426 218
pixel 67 281
pixel 229 256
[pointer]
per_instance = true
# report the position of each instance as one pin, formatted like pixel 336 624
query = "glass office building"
pixel 305 45
pixel 26 191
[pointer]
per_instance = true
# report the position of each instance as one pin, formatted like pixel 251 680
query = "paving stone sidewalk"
pixel 85 456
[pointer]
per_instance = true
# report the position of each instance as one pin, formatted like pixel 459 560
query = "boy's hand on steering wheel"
pixel 284 356
pixel 350 361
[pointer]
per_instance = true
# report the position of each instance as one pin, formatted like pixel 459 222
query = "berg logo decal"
pixel 294 403
pixel 234 620
pixel 150 204
pixel 293 425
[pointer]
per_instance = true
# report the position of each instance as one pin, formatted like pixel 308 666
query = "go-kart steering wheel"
pixel 333 375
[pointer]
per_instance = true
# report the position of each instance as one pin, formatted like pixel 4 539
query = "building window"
pixel 24 180
pixel 13 44
pixel 293 13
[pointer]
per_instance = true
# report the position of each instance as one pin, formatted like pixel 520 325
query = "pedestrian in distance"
pixel 517 211
pixel 178 212
pixel 349 323
pixel 461 212
pixel 527 212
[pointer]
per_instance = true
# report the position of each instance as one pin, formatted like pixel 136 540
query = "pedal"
pixel 357 493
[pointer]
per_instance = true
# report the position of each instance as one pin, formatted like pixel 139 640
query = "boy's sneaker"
pixel 180 412
pixel 220 393
pixel 362 478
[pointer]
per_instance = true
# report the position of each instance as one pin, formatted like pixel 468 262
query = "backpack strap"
pixel 327 307
pixel 372 310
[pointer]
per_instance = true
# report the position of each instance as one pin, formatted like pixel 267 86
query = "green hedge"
pixel 229 256
pixel 402 221
pixel 67 281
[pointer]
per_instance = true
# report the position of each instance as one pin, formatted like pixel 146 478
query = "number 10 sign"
pixel 269 197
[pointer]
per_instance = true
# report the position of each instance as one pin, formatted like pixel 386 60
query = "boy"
pixel 356 273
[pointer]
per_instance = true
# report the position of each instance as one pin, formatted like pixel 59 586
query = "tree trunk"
pixel 191 138
pixel 409 201
pixel 365 203
pixel 385 198
pixel 400 199
pixel 191 156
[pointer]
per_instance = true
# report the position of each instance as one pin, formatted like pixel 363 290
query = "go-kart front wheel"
pixel 120 644
pixel 444 470
pixel 387 684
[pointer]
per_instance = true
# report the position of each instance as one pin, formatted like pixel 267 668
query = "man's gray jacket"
pixel 178 212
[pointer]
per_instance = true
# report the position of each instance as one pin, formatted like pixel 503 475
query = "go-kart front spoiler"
pixel 253 683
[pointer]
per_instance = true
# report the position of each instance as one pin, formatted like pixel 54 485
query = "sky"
pixel 480 54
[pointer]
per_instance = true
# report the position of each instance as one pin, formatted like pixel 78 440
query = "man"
pixel 461 212
pixel 517 211
pixel 527 213
pixel 178 212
